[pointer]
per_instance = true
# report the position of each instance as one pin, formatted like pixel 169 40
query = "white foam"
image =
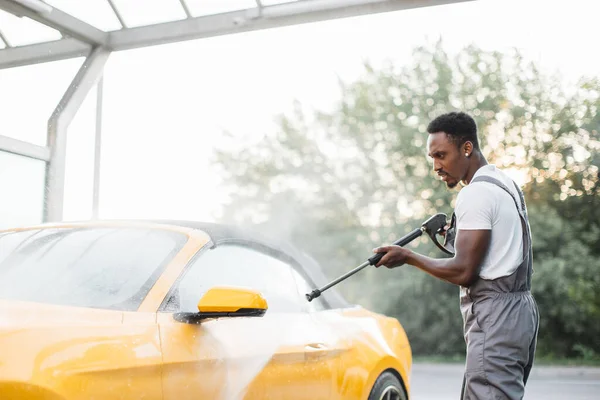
pixel 247 345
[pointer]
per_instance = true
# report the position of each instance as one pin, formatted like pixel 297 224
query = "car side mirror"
pixel 226 301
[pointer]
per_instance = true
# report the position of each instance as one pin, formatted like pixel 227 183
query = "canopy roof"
pixel 36 31
pixel 33 31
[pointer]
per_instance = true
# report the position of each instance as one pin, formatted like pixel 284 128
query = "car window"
pixel 237 265
pixel 304 287
pixel 86 267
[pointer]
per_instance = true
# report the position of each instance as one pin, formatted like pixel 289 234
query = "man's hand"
pixel 443 231
pixel 395 257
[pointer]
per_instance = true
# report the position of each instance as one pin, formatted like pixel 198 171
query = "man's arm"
pixel 470 248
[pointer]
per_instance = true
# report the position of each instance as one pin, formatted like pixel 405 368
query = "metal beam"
pixel 117 13
pixel 86 77
pixel 43 52
pixel 97 150
pixel 22 148
pixel 58 20
pixel 186 9
pixel 4 40
pixel 213 25
pixel 279 15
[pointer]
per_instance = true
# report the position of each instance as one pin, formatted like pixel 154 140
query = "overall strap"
pixel 522 210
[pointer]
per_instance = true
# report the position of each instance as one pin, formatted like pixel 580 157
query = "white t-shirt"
pixel 483 205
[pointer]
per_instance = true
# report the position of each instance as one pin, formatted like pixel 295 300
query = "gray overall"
pixel 501 323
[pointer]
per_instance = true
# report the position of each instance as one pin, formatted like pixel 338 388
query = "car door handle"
pixel 315 351
pixel 315 347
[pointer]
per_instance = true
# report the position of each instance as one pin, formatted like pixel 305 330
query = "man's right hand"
pixel 394 256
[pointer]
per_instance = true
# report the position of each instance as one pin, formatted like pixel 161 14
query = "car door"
pixel 333 330
pixel 283 354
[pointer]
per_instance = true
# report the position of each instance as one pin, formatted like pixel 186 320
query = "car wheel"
pixel 387 387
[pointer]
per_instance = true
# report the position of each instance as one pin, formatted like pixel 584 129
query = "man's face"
pixel 448 162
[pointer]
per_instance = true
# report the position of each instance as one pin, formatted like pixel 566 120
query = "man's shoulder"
pixel 475 193
pixel 485 191
pixel 499 175
pixel 494 172
pixel 501 195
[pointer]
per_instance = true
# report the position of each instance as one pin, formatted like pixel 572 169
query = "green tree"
pixel 338 184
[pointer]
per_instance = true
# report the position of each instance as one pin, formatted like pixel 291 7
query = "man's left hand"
pixel 395 256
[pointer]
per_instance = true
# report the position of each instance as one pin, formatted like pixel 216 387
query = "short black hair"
pixel 459 126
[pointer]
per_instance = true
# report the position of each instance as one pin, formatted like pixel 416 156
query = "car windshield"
pixel 111 268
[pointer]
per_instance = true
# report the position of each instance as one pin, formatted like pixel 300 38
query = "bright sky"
pixel 165 107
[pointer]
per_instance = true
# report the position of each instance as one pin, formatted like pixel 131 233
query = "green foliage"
pixel 566 280
pixel 338 184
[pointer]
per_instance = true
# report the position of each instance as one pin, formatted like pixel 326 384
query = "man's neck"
pixel 477 162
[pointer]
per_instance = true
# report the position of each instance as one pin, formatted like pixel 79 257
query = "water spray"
pixel 433 226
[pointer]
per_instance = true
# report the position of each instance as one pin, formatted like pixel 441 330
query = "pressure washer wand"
pixel 373 260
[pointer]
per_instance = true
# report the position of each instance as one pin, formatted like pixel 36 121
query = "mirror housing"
pixel 226 301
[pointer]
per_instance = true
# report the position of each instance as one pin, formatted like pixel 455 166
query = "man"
pixel 492 262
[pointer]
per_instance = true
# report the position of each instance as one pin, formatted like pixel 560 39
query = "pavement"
pixel 431 381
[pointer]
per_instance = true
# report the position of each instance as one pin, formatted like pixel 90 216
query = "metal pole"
pixel 98 149
pixel 87 76
pixel 22 148
pixel 56 19
pixel 345 276
pixel 4 39
pixel 186 9
pixel 373 260
pixel 117 14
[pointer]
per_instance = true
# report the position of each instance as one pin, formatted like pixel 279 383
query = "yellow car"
pixel 182 310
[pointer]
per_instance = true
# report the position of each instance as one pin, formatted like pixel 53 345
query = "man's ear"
pixel 468 148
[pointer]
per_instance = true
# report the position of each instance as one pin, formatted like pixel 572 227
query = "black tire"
pixel 387 387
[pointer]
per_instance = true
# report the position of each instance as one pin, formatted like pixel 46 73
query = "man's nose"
pixel 436 166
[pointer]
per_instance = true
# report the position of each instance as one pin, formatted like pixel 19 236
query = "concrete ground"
pixel 444 381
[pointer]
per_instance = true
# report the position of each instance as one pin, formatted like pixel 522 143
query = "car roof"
pixel 221 233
